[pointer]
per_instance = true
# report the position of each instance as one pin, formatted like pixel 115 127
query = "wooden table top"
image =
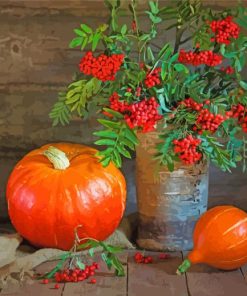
pixel 156 279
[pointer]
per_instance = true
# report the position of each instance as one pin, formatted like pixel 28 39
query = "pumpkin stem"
pixel 57 157
pixel 183 267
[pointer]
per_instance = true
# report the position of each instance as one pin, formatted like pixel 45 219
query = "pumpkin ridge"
pixel 237 244
pixel 217 216
pixel 235 226
pixel 233 260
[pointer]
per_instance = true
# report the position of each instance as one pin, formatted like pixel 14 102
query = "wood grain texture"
pixel 244 272
pixel 204 280
pixel 36 287
pixel 156 279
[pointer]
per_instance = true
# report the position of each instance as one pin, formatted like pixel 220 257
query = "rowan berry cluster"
pixel 205 57
pixel 191 104
pixel 152 78
pixel 102 67
pixel 187 149
pixel 224 30
pixel 139 258
pixel 76 274
pixel 239 111
pixel 143 114
pixel 117 105
pixel 227 70
pixel 208 121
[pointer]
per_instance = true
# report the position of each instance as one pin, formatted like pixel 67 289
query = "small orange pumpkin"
pixel 220 239
pixel 58 187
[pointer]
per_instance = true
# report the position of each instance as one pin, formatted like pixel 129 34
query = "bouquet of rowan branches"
pixel 192 86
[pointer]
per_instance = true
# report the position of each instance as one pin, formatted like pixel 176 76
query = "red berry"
pixel 56 286
pixel 103 67
pixel 45 281
pixel 163 256
pixel 152 78
pixel 93 281
pixel 206 57
pixel 186 150
pixel 224 29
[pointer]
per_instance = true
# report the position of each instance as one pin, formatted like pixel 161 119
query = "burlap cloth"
pixel 18 259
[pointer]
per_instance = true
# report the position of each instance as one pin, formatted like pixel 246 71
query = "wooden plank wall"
pixel 36 63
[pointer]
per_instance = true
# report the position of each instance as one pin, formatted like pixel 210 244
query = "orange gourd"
pixel 58 187
pixel 220 239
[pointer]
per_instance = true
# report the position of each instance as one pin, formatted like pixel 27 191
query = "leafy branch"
pixel 108 254
pixel 213 150
pixel 60 112
pixel 118 138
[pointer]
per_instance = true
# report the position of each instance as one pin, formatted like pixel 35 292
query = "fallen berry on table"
pixel 56 286
pixel 139 258
pixel 164 256
pixel 45 281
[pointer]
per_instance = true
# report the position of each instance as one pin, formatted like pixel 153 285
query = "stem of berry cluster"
pixel 183 267
pixel 179 34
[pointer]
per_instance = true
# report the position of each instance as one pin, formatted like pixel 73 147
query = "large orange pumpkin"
pixel 58 187
pixel 220 239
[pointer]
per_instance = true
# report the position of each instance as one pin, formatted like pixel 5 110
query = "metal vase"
pixel 169 203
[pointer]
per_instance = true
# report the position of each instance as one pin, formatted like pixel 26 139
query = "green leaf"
pixel 60 110
pixel 80 33
pixel 110 248
pixel 107 142
pixel 154 7
pixel 124 29
pixel 118 266
pixel 117 159
pixel 123 151
pixel 128 143
pixel 109 124
pixel 96 39
pixel 150 54
pixel 59 266
pixel 181 68
pixel 230 54
pixel 242 22
pixel 76 42
pixel 80 264
pixel 243 84
pixel 91 252
pixel 84 43
pixel 173 58
pixel 106 134
pixel 105 161
pixel 86 29
pixel 114 113
pixel 131 136
pixel 106 260
pixel 87 244
pixel 163 50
